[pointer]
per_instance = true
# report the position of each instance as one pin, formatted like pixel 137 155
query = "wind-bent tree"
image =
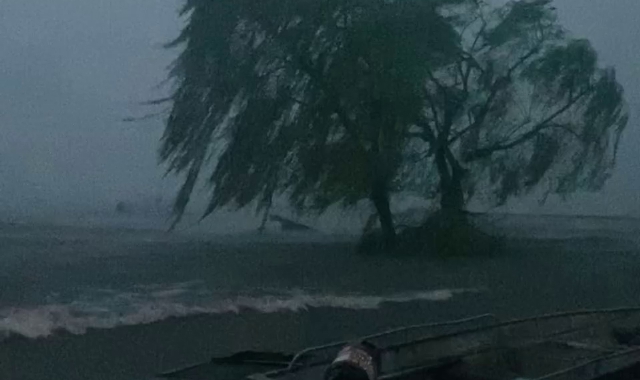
pixel 312 98
pixel 521 107
pixel 335 101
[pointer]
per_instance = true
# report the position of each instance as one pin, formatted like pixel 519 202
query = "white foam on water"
pixel 158 303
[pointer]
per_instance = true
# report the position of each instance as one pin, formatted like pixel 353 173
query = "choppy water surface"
pixel 75 278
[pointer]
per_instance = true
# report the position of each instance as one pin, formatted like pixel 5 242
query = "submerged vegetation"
pixel 331 102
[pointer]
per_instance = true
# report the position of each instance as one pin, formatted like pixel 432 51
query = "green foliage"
pixel 563 70
pixel 531 107
pixel 321 100
pixel 304 97
pixel 518 19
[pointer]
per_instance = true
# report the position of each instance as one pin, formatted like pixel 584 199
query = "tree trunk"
pixel 451 194
pixel 267 211
pixel 452 198
pixel 383 119
pixel 263 224
pixel 380 199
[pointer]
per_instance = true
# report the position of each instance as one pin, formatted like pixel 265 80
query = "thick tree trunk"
pixel 452 198
pixel 451 173
pixel 451 193
pixel 380 199
pixel 383 119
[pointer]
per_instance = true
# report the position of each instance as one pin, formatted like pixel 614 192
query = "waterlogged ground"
pixel 107 303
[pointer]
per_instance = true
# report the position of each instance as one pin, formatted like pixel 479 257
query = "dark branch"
pixel 524 58
pixel 477 123
pixel 133 119
pixel 480 32
pixel 545 124
pixel 464 76
pixel 497 85
pixel 157 101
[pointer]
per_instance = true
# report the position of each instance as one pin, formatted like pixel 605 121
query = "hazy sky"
pixel 70 70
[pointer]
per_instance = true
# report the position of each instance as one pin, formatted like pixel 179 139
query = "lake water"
pixel 73 280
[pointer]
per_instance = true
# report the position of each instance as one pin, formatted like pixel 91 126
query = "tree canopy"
pixel 523 106
pixel 335 101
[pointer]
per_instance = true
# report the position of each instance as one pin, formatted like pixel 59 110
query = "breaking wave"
pixel 104 309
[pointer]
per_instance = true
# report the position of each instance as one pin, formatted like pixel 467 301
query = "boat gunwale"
pixel 295 366
pixel 291 368
pixel 308 350
pixel 613 355
pixel 544 317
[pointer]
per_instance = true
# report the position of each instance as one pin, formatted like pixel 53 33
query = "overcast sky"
pixel 70 70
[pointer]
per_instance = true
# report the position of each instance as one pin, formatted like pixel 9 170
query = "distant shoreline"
pixel 155 225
